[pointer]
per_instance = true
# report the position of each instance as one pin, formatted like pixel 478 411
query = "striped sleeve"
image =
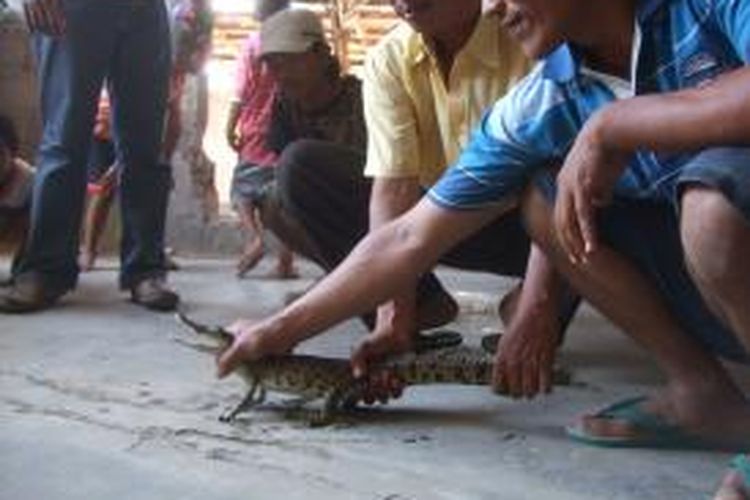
pixel 532 127
pixel 733 19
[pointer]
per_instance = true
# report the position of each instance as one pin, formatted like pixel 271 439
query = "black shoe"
pixel 25 294
pixel 153 293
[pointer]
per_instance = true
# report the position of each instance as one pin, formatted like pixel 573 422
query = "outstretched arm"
pixel 385 262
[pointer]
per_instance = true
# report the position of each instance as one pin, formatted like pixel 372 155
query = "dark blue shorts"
pixel 724 169
pixel 647 232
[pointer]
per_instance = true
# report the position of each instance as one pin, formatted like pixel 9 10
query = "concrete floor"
pixel 98 401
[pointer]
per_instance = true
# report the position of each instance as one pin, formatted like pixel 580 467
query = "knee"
pixel 294 167
pixel 710 231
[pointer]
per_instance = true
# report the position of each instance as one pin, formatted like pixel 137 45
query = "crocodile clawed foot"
pixel 229 416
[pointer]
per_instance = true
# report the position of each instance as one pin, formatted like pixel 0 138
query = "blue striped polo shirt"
pixel 679 44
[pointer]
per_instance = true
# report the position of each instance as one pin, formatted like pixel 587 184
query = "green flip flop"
pixel 652 430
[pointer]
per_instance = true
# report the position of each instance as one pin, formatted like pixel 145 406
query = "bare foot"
pixel 250 259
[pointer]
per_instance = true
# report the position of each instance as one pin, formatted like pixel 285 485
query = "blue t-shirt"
pixel 679 44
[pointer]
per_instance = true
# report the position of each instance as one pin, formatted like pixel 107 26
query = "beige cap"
pixel 290 32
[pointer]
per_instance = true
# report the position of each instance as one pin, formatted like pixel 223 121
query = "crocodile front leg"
pixel 255 396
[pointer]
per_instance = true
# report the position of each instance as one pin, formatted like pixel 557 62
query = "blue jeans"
pixel 125 42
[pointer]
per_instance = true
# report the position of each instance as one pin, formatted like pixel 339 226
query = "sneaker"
pixel 25 294
pixel 153 293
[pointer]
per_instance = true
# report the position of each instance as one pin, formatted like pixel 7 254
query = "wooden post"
pixel 337 13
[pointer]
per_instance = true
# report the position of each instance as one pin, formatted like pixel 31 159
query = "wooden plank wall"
pixel 362 25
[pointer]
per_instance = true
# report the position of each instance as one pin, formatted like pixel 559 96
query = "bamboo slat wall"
pixel 351 25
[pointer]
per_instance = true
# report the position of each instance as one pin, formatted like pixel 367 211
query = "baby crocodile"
pixel 330 379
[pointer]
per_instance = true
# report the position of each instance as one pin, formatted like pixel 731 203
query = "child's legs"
pixel 101 190
pixel 249 183
pixel 251 222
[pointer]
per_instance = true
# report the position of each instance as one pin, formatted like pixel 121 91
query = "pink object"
pixel 255 90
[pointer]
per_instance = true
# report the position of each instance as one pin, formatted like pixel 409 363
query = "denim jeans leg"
pixel 139 83
pixel 70 70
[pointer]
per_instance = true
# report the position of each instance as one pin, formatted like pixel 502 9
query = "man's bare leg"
pixel 716 239
pixel 699 395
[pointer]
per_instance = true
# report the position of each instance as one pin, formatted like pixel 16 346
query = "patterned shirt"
pixel 341 122
pixel 679 44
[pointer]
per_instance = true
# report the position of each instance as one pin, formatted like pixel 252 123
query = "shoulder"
pixel 392 51
pixel 530 100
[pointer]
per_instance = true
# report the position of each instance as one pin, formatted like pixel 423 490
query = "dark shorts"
pixel 251 184
pixel 648 232
pixel 724 169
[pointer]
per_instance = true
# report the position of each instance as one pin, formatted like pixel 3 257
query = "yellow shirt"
pixel 416 125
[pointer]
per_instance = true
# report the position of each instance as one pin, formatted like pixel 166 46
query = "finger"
pixel 527 379
pixel 585 222
pixel 397 387
pixel 497 379
pixel 380 387
pixel 562 224
pixel 498 376
pixel 228 361
pixel 545 374
pixel 545 378
pixel 372 390
pixel 573 239
pixel 358 361
pixel 368 398
pixel 514 381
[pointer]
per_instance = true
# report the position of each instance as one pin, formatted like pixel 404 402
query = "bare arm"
pixel 713 115
pixel 390 198
pixel 716 114
pixel 387 260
